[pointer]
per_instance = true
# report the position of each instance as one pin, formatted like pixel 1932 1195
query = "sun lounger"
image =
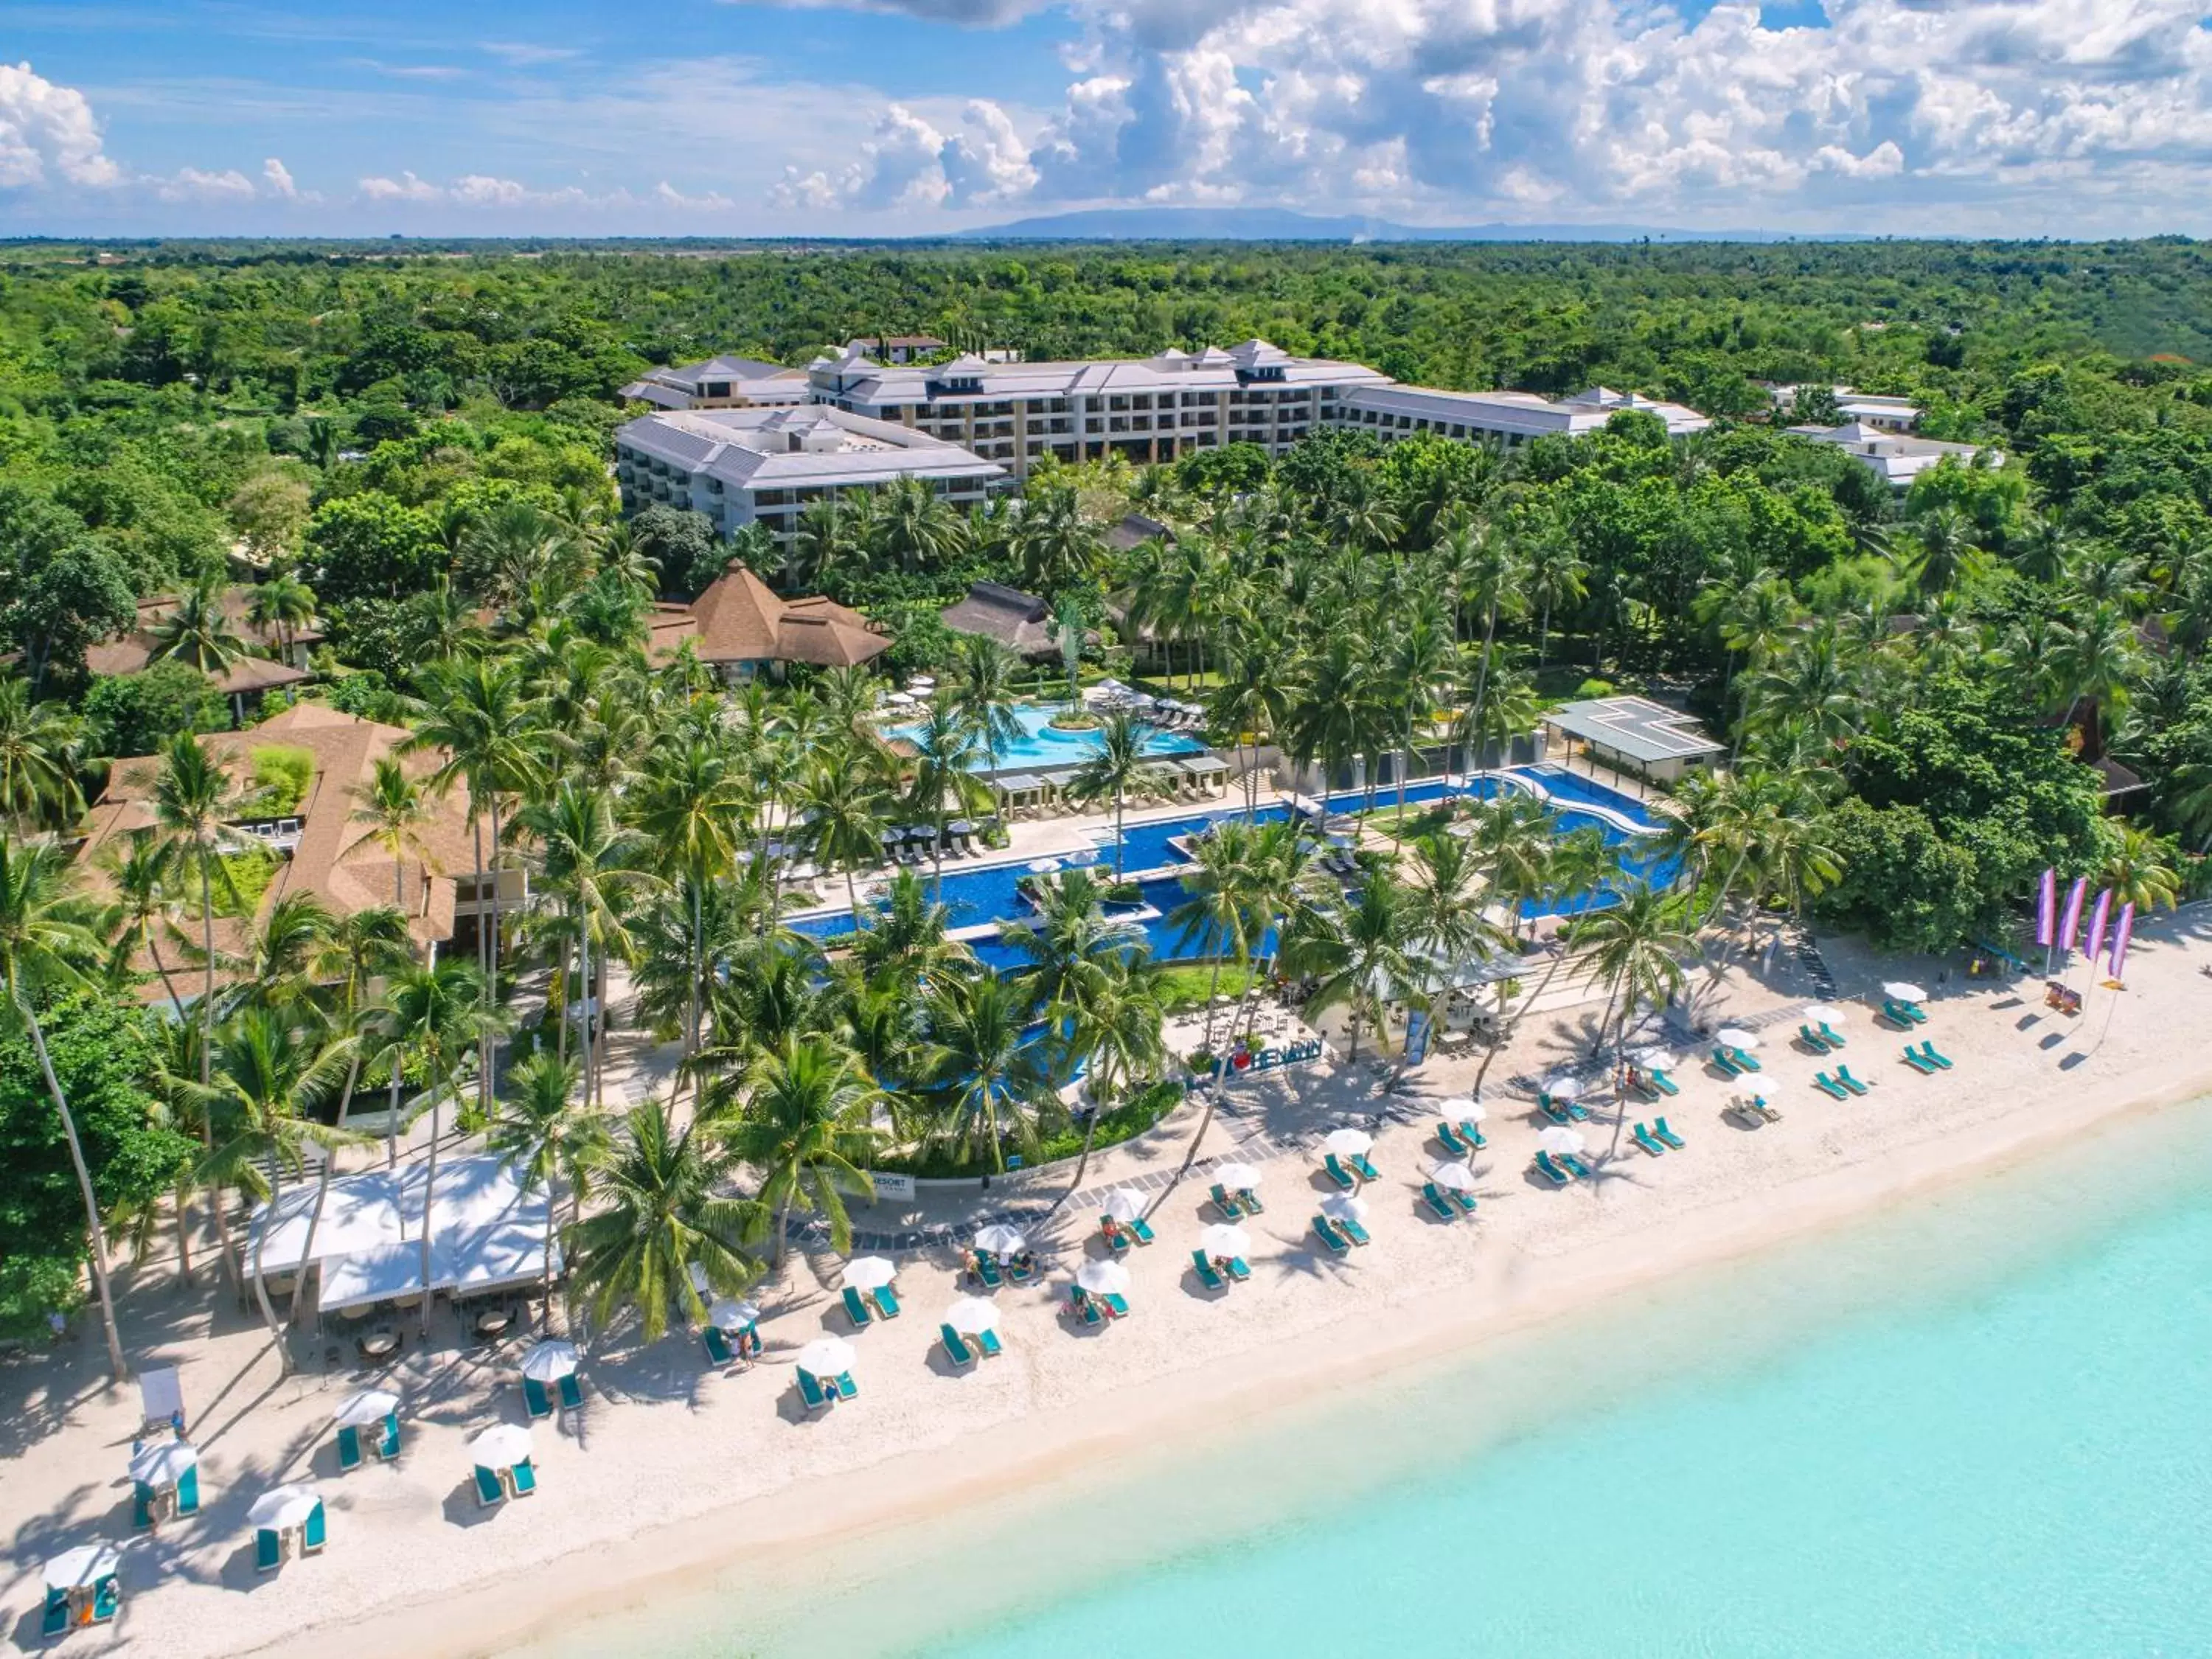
pixel 1083 1307
pixel 1726 1061
pixel 989 1343
pixel 987 1269
pixel 1237 1270
pixel 718 1347
pixel 1661 1082
pixel 1919 1061
pixel 524 1479
pixel 1449 1138
pixel 1659 1128
pixel 1928 1053
pixel 1365 1170
pixel 1465 1201
pixel 886 1301
pixel 1554 1110
pixel 855 1309
pixel 1472 1135
pixel 1573 1165
pixel 1021 1269
pixel 386 1443
pixel 1843 1076
pixel 490 1489
pixel 1642 1137
pixel 349 1447
pixel 1904 1013
pixel 572 1393
pixel 1811 1039
pixel 957 1351
pixel 1352 1231
pixel 1117 1305
pixel 1119 1243
pixel 1143 1230
pixel 268 1550
pixel 1209 1275
pixel 1755 1108
pixel 1226 1205
pixel 1550 1171
pixel 1250 1201
pixel 811 1391
pixel 847 1389
pixel 1336 1242
pixel 1827 1085
pixel 1831 1036
pixel 1439 1205
pixel 535 1399
pixel 1746 1060
pixel 1342 1176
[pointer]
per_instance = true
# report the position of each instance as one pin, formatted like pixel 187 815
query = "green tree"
pixel 807 1125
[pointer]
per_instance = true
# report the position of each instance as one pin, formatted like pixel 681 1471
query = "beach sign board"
pixel 900 1187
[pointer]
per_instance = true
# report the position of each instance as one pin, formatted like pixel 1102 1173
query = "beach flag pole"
pixel 2046 916
pixel 2069 927
pixel 2121 935
pixel 2099 917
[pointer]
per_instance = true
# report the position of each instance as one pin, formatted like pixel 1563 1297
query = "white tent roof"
pixel 490 1232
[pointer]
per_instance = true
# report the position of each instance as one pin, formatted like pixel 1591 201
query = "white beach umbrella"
pixel 1125 1203
pixel 826 1356
pixel 1460 1106
pixel 369 1406
pixel 1236 1177
pixel 1653 1058
pixel 1044 866
pixel 1821 1010
pixel 999 1239
pixel 501 1446
pixel 899 699
pixel 1455 1176
pixel 83 1567
pixel 1348 1143
pixel 1102 1277
pixel 1344 1207
pixel 1562 1087
pixel 728 1316
pixel 972 1316
pixel 1560 1139
pixel 284 1506
pixel 920 680
pixel 1735 1037
pixel 1904 991
pixel 163 1463
pixel 870 1273
pixel 1221 1239
pixel 548 1362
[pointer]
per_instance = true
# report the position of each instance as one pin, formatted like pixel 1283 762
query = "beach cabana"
pixel 376 1409
pixel 553 1363
pixel 503 1470
pixel 165 1479
pixel 80 1589
pixel 282 1518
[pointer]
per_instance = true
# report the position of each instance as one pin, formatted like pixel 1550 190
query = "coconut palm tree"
pixel 198 632
pixel 2139 870
pixel 46 944
pixel 945 784
pixel 1556 579
pixel 1055 545
pixel 1637 945
pixel 39 746
pixel 981 693
pixel 986 1079
pixel 808 1125
pixel 139 870
pixel 846 804
pixel 2097 660
pixel 1116 769
pixel 661 1212
pixel 280 607
pixel 1217 918
pixel 545 1132
pixel 1361 956
pixel 1944 548
pixel 915 527
pixel 690 806
pixel 394 809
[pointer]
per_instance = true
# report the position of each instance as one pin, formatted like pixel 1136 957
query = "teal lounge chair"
pixel 141 1505
pixel 1919 1061
pixel 1472 1135
pixel 1831 1036
pixel 55 1620
pixel 525 1478
pixel 386 1445
pixel 315 1533
pixel 1365 1170
pixel 1746 1059
pixel 1439 1205
pixel 1843 1076
pixel 572 1393
pixel 1352 1231
pixel 718 1347
pixel 1226 1205
pixel 268 1550
pixel 1550 1171
pixel 855 1309
pixel 1336 1242
pixel 811 1391
pixel 188 1491
pixel 1928 1053
pixel 1827 1085
pixel 490 1489
pixel 1465 1201
pixel 957 1351
pixel 1119 1243
pixel 1811 1039
pixel 1573 1165
pixel 1342 1176
pixel 1083 1307
pixel 1250 1201
pixel 1554 1110
pixel 1642 1137
pixel 1659 1128
pixel 1237 1270
pixel 1021 1269
pixel 1663 1083
pixel 1143 1230
pixel 847 1389
pixel 1208 1274
pixel 1450 1140
pixel 1725 1059
pixel 1117 1305
pixel 987 1269
pixel 349 1447
pixel 886 1301
pixel 535 1399
pixel 989 1343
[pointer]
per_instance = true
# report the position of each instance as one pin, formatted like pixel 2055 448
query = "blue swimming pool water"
pixel 1040 746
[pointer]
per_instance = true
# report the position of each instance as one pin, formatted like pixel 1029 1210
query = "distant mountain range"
pixel 1282 225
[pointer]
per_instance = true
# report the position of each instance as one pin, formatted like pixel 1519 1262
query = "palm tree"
pixel 689 806
pixel 271 1069
pixel 280 607
pixel 945 743
pixel 395 808
pixel 1637 946
pixel 544 1133
pixel 44 945
pixel 1115 1024
pixel 1218 916
pixel 2096 661
pixel 914 525
pixel 2139 870
pixel 434 1015
pixel 846 801
pixel 198 632
pixel 138 869
pixel 1946 547
pixel 1055 545
pixel 38 746
pixel 982 692
pixel 1362 956
pixel 807 1124
pixel 986 1079
pixel 1117 768
pixel 663 1212
pixel 1557 577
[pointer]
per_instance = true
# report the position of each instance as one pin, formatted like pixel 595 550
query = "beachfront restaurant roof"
pixel 488 1232
pixel 1648 736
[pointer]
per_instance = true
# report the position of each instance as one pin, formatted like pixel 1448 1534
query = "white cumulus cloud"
pixel 908 163
pixel 48 134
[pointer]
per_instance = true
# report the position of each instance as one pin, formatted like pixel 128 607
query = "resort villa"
pixel 720 383
pixel 741 627
pixel 273 659
pixel 1866 408
pixel 1897 457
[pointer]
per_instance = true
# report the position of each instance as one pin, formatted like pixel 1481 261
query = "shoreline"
pixel 1054 1453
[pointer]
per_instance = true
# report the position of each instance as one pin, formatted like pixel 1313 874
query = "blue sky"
pixel 2015 116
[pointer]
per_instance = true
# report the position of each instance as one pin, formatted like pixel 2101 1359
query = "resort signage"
pixel 892 1186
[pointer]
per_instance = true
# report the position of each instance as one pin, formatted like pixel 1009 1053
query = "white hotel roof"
pixel 1254 362
pixel 1898 457
pixel 1522 412
pixel 810 447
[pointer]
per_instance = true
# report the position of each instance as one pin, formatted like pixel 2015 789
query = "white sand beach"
pixel 672 1467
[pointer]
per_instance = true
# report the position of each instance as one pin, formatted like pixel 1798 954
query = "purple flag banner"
pixel 2121 936
pixel 2046 908
pixel 2098 917
pixel 2069 929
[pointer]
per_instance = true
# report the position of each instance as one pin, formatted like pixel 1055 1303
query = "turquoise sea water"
pixel 1977 1424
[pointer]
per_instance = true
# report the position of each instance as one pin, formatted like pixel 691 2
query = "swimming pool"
pixel 1040 746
